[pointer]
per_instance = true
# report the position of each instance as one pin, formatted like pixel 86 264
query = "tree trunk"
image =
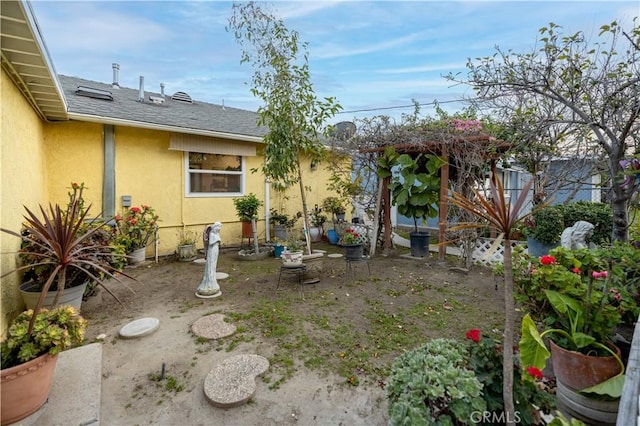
pixel 386 200
pixel 507 352
pixel 305 211
pixel 254 230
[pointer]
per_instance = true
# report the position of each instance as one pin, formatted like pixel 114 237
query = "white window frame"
pixel 187 179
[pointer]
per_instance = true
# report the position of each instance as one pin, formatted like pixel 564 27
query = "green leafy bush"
pixel 598 214
pixel 569 272
pixel 485 358
pixel 546 224
pixel 432 385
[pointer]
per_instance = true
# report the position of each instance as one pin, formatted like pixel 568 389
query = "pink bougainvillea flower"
pixel 118 217
pixel 576 270
pixel 135 209
pixel 547 260
pixel 535 373
pixel 596 274
pixel 474 335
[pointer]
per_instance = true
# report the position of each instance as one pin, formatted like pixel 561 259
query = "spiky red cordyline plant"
pixel 60 243
pixel 499 213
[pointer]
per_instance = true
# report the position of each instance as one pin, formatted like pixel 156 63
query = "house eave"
pixel 27 62
pixel 161 127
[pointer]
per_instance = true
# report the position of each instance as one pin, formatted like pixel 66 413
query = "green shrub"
pixel 431 385
pixel 598 214
pixel 546 224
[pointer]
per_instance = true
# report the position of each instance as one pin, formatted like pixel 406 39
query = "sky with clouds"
pixel 372 56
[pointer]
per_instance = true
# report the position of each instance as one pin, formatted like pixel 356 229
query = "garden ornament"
pixel 209 287
pixel 575 236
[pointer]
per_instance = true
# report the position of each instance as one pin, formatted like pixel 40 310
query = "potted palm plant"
pixel 62 243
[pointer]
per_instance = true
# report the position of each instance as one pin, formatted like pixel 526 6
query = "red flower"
pixel 547 260
pixel 74 185
pixel 576 270
pixel 474 335
pixel 535 373
pixel 135 209
pixel 118 218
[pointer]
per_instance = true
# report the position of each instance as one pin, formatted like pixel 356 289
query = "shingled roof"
pixel 171 115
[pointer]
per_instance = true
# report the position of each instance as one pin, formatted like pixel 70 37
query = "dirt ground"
pixel 427 299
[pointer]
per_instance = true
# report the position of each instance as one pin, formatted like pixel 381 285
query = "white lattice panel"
pixel 483 246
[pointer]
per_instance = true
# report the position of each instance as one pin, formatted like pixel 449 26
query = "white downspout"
pixel 267 209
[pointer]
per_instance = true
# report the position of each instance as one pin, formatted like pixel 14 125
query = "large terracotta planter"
pixel 26 387
pixel 578 371
pixel 70 296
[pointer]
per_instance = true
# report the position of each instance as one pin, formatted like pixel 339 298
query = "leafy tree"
pixel 282 80
pixel 590 88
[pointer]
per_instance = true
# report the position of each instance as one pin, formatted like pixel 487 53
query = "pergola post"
pixel 444 193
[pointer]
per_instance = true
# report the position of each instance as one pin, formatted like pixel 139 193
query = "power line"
pixel 401 106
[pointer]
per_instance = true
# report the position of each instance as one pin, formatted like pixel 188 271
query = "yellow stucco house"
pixel 187 159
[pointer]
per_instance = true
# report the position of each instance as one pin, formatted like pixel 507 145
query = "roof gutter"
pixel 152 126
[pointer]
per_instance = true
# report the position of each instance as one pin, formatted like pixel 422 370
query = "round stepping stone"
pixel 140 327
pixel 212 327
pixel 200 260
pixel 221 275
pixel 233 381
pixel 334 255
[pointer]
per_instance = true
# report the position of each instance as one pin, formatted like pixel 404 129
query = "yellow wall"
pixel 24 183
pixel 147 171
pixel 40 161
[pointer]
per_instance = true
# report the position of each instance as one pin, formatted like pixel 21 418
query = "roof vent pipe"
pixel 116 69
pixel 162 89
pixel 141 93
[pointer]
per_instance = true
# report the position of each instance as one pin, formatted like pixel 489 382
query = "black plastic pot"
pixel 419 243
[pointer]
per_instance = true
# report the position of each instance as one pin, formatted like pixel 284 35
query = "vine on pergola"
pixel 466 143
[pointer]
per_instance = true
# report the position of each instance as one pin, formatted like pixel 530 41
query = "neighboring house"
pixel 186 159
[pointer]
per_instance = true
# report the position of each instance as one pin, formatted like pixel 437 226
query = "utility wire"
pixel 402 106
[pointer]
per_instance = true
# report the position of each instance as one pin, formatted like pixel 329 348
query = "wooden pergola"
pixel 452 146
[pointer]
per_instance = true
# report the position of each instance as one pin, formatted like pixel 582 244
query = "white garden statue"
pixel 575 237
pixel 209 286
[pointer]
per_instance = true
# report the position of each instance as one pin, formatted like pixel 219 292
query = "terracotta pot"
pixel 247 230
pixel 579 371
pixel 26 387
